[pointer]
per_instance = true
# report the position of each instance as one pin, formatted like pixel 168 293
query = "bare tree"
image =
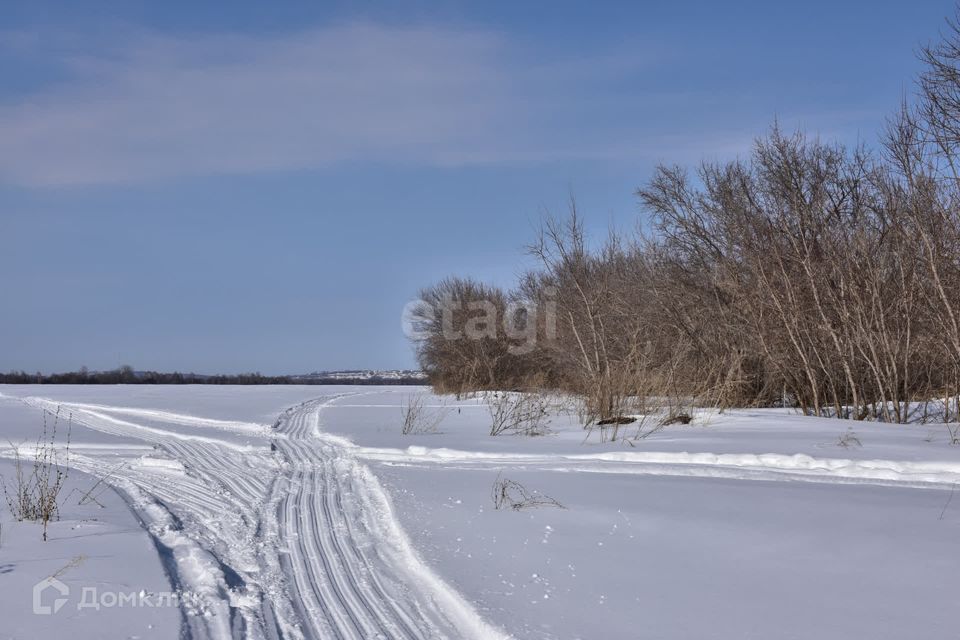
pixel 806 274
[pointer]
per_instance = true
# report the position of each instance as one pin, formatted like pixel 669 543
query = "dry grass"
pixel 512 494
pixel 34 495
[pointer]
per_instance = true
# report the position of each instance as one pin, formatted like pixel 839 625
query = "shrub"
pixel 35 494
pixel 518 413
pixel 417 419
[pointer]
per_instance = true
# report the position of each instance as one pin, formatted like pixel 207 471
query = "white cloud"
pixel 228 104
pixel 144 107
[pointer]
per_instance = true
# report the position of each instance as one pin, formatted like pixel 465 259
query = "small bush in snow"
pixel 417 419
pixel 518 413
pixel 849 439
pixel 512 494
pixel 35 494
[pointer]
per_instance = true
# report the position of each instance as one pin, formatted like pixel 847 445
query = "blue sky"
pixel 224 187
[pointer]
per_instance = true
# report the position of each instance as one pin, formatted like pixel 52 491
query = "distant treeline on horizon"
pixel 126 375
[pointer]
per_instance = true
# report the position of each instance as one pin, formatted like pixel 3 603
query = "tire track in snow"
pixel 290 537
pixel 347 561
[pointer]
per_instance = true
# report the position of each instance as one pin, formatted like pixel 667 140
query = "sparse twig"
pixel 953 490
pixel 849 439
pixel 510 493
pixel 86 497
pixel 416 418
pixel 75 562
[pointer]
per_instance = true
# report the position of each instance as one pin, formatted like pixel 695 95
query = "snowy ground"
pixel 304 512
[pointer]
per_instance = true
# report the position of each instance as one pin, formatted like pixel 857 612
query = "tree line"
pixel 807 274
pixel 126 375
